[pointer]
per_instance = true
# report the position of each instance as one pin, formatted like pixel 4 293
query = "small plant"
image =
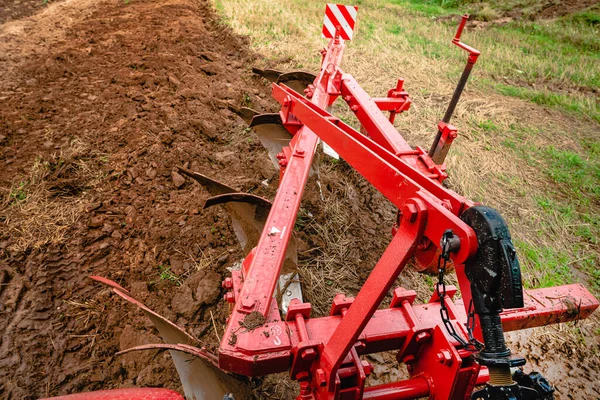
pixel 167 275
pixel 19 193
pixel 247 101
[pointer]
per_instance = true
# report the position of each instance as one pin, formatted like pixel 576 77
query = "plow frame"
pixel 323 354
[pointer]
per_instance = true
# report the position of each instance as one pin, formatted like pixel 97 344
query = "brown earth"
pixel 13 10
pixel 101 100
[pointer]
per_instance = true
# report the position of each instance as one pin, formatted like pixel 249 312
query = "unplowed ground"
pixel 100 100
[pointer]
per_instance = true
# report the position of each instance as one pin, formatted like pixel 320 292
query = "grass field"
pixel 528 122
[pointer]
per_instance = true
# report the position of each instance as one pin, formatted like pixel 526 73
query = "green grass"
pixel 579 176
pixel 547 62
pixel 579 105
pixel 545 266
pixel 566 207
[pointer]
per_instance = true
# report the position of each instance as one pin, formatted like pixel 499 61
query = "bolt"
pixel 410 212
pixel 229 297
pixel 304 388
pixel 354 108
pixel 422 337
pixel 247 304
pixel 300 151
pixel 302 376
pixel 282 162
pixel 320 375
pixel 347 98
pixel 444 357
pixel 360 346
pixel 447 205
pixel 227 283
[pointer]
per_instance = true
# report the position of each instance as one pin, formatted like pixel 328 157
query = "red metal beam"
pixel 254 353
pixel 389 266
pixel 389 174
pixel 371 118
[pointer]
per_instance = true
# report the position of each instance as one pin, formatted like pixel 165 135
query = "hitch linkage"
pixel 495 277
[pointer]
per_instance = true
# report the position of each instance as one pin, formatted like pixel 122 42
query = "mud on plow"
pixel 453 348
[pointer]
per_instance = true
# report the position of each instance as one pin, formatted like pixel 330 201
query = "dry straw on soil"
pixel 40 208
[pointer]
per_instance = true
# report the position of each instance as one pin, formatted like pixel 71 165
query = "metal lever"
pixel 439 150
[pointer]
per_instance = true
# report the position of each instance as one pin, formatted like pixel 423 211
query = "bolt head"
pixel 227 283
pixel 229 297
pixel 410 212
pixel 247 304
pixel 367 367
pixel 444 357
pixel 304 388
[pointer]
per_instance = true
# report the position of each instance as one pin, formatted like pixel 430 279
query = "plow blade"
pixel 272 134
pixel 244 113
pixel 248 215
pixel 297 80
pixel 197 370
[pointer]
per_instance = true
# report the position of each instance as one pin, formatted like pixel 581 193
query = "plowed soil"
pixel 100 101
pixel 101 117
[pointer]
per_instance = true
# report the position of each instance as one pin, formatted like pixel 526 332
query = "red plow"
pixel 453 348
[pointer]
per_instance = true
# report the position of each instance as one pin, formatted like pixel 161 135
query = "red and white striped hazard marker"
pixel 342 17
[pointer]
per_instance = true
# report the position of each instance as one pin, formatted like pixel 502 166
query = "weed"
pixel 246 101
pixel 165 274
pixel 19 193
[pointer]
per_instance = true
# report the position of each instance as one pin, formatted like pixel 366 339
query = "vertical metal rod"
pixel 458 91
pixel 473 54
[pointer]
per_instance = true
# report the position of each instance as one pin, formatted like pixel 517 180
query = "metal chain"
pixel 473 344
